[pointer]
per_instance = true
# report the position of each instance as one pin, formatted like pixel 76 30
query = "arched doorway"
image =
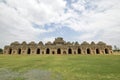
pixel 19 51
pixel 64 52
pixel 10 51
pixel 79 51
pixel 47 51
pixel 97 51
pixel 88 51
pixel 38 51
pixel 106 51
pixel 28 51
pixel 53 52
pixel 58 51
pixel 69 51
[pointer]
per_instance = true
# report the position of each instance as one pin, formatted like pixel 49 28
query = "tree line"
pixel 116 49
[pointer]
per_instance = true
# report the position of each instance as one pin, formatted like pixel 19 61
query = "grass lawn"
pixel 59 67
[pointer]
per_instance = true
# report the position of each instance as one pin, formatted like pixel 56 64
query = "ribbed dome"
pixel 76 43
pixel 24 43
pixel 32 43
pixel 15 43
pixel 48 43
pixel 40 43
pixel 92 43
pixel 101 43
pixel 69 43
pixel 85 43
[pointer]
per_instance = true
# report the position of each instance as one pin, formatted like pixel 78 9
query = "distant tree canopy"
pixel 1 51
pixel 116 49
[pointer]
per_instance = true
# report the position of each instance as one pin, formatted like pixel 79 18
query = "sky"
pixel 74 20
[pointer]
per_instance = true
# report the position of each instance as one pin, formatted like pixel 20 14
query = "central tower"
pixel 59 41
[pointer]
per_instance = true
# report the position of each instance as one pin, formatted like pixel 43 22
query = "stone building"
pixel 58 46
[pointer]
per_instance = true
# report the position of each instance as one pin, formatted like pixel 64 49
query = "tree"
pixel 1 51
pixel 116 49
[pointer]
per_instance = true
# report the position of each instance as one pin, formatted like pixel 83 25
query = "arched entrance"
pixel 28 51
pixel 64 52
pixel 106 51
pixel 97 51
pixel 38 51
pixel 69 51
pixel 79 51
pixel 47 51
pixel 10 51
pixel 19 51
pixel 88 51
pixel 53 52
pixel 58 51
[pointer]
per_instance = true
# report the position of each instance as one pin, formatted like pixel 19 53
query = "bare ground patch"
pixel 6 74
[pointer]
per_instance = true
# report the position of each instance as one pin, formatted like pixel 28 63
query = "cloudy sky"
pixel 74 20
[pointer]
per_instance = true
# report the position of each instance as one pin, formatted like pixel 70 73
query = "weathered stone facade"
pixel 59 46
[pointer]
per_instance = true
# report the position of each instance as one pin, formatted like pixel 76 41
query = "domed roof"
pixel 85 43
pixel 23 43
pixel 69 43
pixel 32 43
pixel 92 43
pixel 76 43
pixel 40 43
pixel 101 43
pixel 15 43
pixel 48 43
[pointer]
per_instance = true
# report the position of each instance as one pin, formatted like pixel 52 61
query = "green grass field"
pixel 59 67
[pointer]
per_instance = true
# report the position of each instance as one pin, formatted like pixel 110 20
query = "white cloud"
pixel 91 19
pixel 17 16
pixel 47 39
pixel 95 19
pixel 101 17
pixel 39 11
